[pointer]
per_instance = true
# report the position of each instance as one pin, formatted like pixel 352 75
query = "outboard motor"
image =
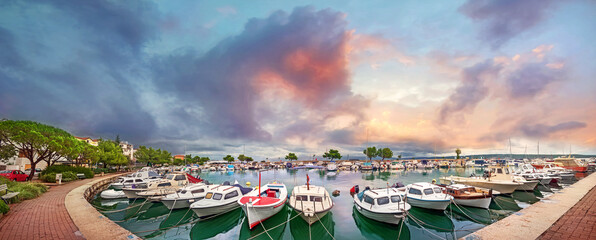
pixel 226 183
pixel 398 185
pixel 355 189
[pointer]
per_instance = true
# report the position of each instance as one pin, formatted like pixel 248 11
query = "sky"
pixel 265 78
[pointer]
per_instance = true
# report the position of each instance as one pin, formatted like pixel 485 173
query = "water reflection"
pixel 431 219
pixel 300 229
pixel 219 225
pixel 371 229
pixel 259 233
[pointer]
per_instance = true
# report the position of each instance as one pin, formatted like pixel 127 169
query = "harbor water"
pixel 154 221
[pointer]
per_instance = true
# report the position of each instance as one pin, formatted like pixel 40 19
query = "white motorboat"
pixel 426 195
pixel 554 170
pixel 219 199
pixel 138 178
pixel 470 196
pixel 185 196
pixel 386 205
pixel 502 186
pixel 396 165
pixel 262 204
pixel 332 167
pixel 505 173
pixel 311 202
pixel 169 184
pixel 112 194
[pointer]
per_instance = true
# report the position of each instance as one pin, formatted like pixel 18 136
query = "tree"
pixel 399 156
pixel 370 152
pixel 248 159
pixel 458 152
pixel 110 153
pixel 332 154
pixel 291 156
pixel 385 153
pixel 241 157
pixel 152 156
pixel 202 160
pixel 117 139
pixel 229 158
pixel 85 153
pixel 37 142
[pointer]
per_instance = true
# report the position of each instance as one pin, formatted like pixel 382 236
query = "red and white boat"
pixel 571 163
pixel 264 203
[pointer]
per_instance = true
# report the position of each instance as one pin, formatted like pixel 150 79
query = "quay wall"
pixel 531 222
pixel 91 223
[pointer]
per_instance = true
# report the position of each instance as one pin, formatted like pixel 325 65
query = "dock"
pixel 568 214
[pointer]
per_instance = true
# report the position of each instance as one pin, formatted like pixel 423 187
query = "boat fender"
pixel 335 193
pixel 355 189
pixel 248 184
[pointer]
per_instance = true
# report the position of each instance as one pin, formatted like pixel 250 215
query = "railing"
pixel 90 192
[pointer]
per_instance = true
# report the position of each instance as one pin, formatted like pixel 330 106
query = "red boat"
pixel 571 164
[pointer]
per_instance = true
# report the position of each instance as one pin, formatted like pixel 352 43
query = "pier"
pixel 566 214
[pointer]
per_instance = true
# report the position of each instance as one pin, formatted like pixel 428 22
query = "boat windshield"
pixel 209 195
pixel 316 199
pixel 395 198
pixel 170 177
pixel 437 190
pixel 415 191
pixel 382 200
pixel 217 196
pixel 368 200
pixel 428 191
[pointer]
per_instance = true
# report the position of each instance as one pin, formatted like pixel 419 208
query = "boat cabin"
pixel 425 189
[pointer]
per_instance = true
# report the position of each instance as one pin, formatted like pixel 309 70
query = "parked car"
pixel 14 175
pixel 36 174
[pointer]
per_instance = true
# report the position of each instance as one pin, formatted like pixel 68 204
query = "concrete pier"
pixel 531 222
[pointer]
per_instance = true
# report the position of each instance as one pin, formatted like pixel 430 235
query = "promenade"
pixel 577 223
pixel 44 217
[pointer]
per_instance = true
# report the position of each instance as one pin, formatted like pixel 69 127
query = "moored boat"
pixel 264 203
pixel 502 186
pixel 384 205
pixel 219 199
pixel 469 196
pixel 184 197
pixel 426 195
pixel 169 184
pixel 311 202
pixel 112 194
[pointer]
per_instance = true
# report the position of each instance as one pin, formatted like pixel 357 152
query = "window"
pixel 182 192
pixel 217 196
pixel 415 191
pixel 169 177
pixel 164 184
pixel 198 190
pixel 368 200
pixel 395 198
pixel 139 180
pixel 316 199
pixel 507 170
pixel 428 191
pixel 499 170
pixel 128 180
pixel 437 190
pixel 382 200
pixel 180 177
pixel 301 198
pixel 208 196
pixel 231 194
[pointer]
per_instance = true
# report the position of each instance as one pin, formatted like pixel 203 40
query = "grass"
pixel 27 190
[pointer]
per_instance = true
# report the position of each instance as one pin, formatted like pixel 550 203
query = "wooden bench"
pixel 80 175
pixel 8 195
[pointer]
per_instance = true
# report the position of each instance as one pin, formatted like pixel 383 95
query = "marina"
pixel 345 220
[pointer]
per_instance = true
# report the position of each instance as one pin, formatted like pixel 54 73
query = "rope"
pixel 124 220
pixel 175 199
pixel 423 228
pixel 324 226
pixel 168 228
pixel 401 224
pixel 120 210
pixel 454 203
pixel 275 226
pixel 261 222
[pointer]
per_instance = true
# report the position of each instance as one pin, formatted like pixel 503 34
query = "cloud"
pixel 522 128
pixel 532 79
pixel 504 20
pixel 296 60
pixel 471 90
pixel 73 67
pixel 227 10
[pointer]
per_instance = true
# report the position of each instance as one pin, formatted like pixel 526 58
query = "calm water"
pixel 154 220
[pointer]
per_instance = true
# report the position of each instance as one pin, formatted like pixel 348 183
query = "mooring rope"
pixel 454 203
pixel 173 206
pixel 261 222
pixel 324 226
pixel 400 226
pixel 275 226
pixel 124 220
pixel 124 209
pixel 423 228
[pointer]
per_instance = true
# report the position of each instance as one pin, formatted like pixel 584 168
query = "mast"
pixel 510 153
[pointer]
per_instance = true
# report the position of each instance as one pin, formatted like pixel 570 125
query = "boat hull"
pixel 112 194
pixel 429 204
pixel 527 186
pixel 502 188
pixel 478 202
pixel 133 193
pixel 179 203
pixel 213 211
pixel 258 214
pixel 391 218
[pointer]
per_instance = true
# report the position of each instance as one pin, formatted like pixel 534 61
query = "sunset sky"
pixel 272 77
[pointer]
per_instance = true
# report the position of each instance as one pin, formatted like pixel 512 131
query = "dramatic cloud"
pixel 503 20
pixel 535 131
pixel 295 60
pixel 71 65
pixel 471 90
pixel 532 78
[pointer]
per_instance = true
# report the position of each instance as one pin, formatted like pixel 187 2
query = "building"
pixel 20 162
pixel 94 142
pixel 179 157
pixel 128 150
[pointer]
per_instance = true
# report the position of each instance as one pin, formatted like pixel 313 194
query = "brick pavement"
pixel 44 217
pixel 577 223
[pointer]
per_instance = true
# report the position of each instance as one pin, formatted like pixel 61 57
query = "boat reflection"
pixel 478 215
pixel 269 224
pixel 299 227
pixel 371 229
pixel 177 217
pixel 216 226
pixel 155 210
pixel 436 220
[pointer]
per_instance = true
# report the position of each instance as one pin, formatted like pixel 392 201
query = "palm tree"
pixel 458 152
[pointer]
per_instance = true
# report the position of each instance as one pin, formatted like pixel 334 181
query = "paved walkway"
pixel 577 223
pixel 44 217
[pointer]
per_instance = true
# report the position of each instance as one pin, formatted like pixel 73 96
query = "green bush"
pixel 66 168
pixel 26 190
pixel 104 170
pixel 3 207
pixel 69 176
pixel 48 177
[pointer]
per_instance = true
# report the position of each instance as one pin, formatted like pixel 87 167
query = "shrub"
pixel 66 168
pixel 104 170
pixel 28 190
pixel 3 207
pixel 69 176
pixel 48 177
